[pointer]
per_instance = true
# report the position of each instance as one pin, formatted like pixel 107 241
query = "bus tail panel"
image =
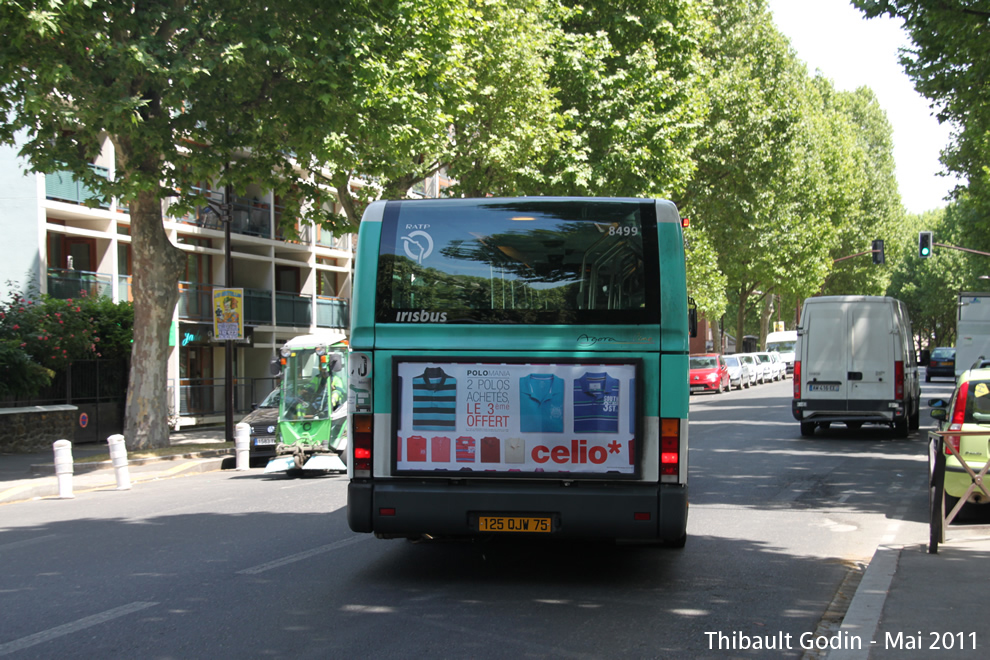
pixel 407 508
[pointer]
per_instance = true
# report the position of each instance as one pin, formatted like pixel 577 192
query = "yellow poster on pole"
pixel 228 314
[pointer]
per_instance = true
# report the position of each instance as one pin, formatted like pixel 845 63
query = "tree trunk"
pixel 741 317
pixel 157 266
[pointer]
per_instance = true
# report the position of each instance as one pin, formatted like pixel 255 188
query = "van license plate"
pixel 264 441
pixel 813 387
pixel 513 524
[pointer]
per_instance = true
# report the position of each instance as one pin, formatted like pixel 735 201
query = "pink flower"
pixel 17 327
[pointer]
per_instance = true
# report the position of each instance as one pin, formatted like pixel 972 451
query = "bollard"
pixel 118 455
pixel 242 445
pixel 63 468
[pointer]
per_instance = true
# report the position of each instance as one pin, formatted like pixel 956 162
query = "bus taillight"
pixel 670 446
pixel 362 441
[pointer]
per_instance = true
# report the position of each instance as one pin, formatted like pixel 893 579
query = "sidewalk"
pixel 906 600
pixel 910 600
pixel 32 476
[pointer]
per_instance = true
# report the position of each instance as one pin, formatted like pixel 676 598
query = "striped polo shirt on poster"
pixel 434 401
pixel 596 403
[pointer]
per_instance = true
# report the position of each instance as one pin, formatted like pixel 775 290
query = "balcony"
pixel 65 284
pixel 332 313
pixel 63 187
pixel 196 302
pixel 293 309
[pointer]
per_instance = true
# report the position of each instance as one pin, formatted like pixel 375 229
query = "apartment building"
pixel 294 282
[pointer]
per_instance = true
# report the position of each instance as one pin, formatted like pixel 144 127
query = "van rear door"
pixel 870 364
pixel 825 336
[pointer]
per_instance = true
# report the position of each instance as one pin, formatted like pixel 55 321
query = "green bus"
pixel 519 366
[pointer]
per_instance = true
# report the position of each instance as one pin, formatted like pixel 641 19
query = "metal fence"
pixel 207 396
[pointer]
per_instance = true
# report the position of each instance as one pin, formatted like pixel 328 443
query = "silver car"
pixel 749 361
pixel 740 375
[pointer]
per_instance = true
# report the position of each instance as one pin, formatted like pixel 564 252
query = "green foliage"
pixel 54 332
pixel 20 376
pixel 948 63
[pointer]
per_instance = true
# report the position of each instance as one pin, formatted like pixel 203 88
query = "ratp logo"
pixel 418 245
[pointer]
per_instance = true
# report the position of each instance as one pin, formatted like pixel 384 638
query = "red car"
pixel 708 373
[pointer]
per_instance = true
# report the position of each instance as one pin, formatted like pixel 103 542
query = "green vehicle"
pixel 312 416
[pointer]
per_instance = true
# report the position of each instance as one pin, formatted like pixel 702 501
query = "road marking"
pixel 21 544
pixel 261 568
pixel 75 626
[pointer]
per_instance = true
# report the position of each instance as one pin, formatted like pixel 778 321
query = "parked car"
pixel 773 370
pixel 708 373
pixel 740 374
pixel 750 363
pixel 263 420
pixel 762 372
pixel 941 363
pixel 967 411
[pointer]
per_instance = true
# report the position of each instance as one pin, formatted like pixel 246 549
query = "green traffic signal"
pixel 925 244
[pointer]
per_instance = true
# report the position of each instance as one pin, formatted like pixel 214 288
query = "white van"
pixel 783 342
pixel 855 363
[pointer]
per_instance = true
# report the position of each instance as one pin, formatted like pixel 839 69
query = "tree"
pixel 753 178
pixel 627 77
pixel 186 92
pixel 950 64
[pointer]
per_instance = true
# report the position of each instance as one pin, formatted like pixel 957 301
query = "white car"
pixel 740 374
pixel 774 369
pixel 759 369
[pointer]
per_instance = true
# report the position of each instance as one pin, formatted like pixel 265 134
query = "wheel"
pixel 928 378
pixel 807 429
pixel 901 428
pixel 825 425
pixel 854 426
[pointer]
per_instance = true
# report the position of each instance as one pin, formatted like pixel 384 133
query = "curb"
pixel 47 487
pixel 47 469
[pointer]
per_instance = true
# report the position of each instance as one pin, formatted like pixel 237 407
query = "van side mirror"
pixel 692 318
pixel 938 403
pixel 940 414
pixel 926 357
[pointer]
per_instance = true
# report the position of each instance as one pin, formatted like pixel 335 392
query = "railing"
pixel 63 186
pixel 251 218
pixel 293 309
pixel 303 229
pixel 325 238
pixel 257 307
pixel 195 301
pixel 332 312
pixel 124 288
pixel 65 284
pixel 207 396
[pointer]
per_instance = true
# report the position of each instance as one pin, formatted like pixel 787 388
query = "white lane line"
pixel 75 626
pixel 261 568
pixel 21 544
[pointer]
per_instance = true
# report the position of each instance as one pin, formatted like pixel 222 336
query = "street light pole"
pixel 228 357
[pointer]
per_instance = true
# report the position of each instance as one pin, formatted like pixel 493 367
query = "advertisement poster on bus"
pixel 529 417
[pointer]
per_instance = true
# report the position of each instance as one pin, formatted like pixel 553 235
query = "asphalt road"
pixel 229 564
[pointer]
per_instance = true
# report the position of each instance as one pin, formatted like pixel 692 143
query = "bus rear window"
pixel 528 260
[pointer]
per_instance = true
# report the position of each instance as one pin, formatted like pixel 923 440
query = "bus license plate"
pixel 264 441
pixel 822 388
pixel 513 524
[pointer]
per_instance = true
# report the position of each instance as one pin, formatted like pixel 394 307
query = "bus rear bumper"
pixel 580 509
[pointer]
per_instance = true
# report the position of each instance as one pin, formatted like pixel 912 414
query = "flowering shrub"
pixel 51 333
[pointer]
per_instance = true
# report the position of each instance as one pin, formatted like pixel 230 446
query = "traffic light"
pixel 878 257
pixel 925 244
